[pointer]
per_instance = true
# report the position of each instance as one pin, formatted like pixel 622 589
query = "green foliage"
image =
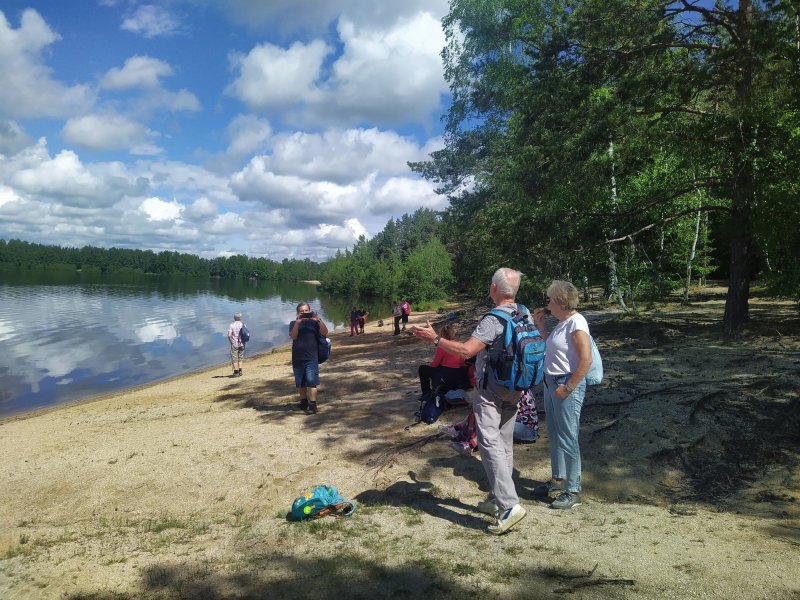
pixel 406 259
pixel 589 146
pixel 427 272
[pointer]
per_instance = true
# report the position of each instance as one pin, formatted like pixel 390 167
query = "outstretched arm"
pixel 463 350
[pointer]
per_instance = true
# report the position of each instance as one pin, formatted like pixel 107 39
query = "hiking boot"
pixel 548 487
pixel 449 430
pixel 303 404
pixel 566 500
pixel 507 520
pixel 488 506
pixel 312 408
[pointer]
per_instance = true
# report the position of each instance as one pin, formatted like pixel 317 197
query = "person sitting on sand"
pixel 444 368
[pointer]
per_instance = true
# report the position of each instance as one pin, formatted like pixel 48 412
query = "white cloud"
pixel 383 75
pixel 171 178
pixel 227 224
pixel 343 155
pixel 138 71
pixel 311 201
pixel 66 178
pixel 201 208
pixel 27 88
pixel 159 210
pixel 105 132
pixel 314 16
pixel 7 195
pixel 306 202
pixel 151 21
pixel 387 75
pixel 12 138
pixel 247 133
pixel 401 195
pixel 144 73
pixel 271 77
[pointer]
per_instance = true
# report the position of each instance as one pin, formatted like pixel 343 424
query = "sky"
pixel 274 128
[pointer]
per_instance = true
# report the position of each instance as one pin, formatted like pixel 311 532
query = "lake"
pixel 69 336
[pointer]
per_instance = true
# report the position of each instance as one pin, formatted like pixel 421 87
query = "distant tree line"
pixel 25 255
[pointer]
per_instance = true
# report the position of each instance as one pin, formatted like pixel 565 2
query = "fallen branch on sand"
pixel 386 458
pixel 601 581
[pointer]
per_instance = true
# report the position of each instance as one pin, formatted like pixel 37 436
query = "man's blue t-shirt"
pixel 304 348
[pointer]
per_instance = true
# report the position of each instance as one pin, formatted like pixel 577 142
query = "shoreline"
pixel 26 414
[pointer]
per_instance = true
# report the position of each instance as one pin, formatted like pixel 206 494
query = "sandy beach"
pixel 691 457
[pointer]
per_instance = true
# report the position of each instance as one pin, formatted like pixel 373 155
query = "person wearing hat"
pixel 237 345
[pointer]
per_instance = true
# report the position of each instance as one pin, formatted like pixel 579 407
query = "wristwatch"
pixel 436 341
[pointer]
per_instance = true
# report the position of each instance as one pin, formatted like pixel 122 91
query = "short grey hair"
pixel 302 304
pixel 564 294
pixel 237 316
pixel 507 281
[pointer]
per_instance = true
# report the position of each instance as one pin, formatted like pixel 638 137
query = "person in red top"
pixel 445 368
pixel 405 309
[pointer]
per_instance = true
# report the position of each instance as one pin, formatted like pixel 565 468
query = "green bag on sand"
pixel 322 500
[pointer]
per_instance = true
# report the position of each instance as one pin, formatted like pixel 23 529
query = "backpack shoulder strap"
pixel 500 314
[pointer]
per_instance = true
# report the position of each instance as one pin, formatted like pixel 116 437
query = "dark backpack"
pixel 323 348
pixel 432 404
pixel 517 357
pixel 244 334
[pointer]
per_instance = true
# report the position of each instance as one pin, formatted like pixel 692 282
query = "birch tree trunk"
pixel 689 262
pixel 613 278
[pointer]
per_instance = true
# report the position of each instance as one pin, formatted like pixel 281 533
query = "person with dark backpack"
pixel 307 332
pixel 237 342
pixel 494 404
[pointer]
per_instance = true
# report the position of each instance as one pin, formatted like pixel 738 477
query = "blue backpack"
pixel 517 358
pixel 322 500
pixel 594 375
pixel 244 334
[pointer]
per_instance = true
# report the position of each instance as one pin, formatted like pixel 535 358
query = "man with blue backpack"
pixel 238 336
pixel 509 355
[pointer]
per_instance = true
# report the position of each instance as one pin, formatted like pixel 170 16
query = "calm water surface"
pixel 71 336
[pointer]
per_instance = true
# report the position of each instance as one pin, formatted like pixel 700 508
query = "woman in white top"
pixel 566 362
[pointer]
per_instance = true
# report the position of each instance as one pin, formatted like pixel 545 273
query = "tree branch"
pixel 669 219
pixel 704 183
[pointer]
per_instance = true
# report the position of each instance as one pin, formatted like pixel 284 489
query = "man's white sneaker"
pixel 507 520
